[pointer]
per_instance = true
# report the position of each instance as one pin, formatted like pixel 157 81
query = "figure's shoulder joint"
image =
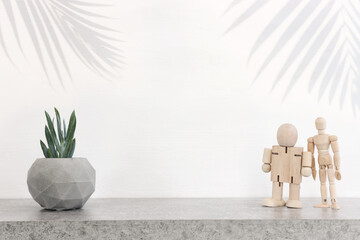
pixel 298 150
pixel 333 138
pixel 310 139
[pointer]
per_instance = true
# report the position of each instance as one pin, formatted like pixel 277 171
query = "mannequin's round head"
pixel 320 123
pixel 287 135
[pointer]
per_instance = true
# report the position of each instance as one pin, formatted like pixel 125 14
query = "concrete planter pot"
pixel 61 183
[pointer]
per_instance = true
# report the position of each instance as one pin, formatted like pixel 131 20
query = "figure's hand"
pixel 266 168
pixel 306 171
pixel 337 174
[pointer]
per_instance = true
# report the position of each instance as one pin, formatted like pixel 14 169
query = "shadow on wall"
pixel 46 21
pixel 333 23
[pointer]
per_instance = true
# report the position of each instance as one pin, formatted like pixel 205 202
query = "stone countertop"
pixel 201 218
pixel 175 209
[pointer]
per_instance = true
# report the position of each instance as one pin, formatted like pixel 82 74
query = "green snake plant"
pixel 62 143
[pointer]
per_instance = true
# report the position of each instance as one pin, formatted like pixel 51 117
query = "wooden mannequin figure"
pixel 322 141
pixel 286 163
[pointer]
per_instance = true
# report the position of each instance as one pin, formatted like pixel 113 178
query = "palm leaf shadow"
pixel 337 68
pixel 258 4
pixel 47 21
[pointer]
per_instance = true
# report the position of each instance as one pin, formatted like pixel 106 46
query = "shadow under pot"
pixel 61 183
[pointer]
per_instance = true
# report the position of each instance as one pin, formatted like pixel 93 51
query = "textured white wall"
pixel 184 119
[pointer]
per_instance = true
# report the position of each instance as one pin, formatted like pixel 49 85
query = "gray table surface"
pixel 175 209
pixel 227 218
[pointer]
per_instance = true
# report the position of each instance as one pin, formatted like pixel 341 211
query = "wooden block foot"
pixel 270 202
pixel 322 205
pixel 294 204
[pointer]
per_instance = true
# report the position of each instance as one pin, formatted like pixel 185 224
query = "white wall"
pixel 183 119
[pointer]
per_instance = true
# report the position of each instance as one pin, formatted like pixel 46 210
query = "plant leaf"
pixel 58 123
pixel 68 148
pixel 49 153
pixel 44 149
pixel 64 128
pixel 72 127
pixel 50 143
pixel 72 149
pixel 52 130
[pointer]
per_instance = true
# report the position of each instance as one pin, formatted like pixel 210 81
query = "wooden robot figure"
pixel 322 141
pixel 286 163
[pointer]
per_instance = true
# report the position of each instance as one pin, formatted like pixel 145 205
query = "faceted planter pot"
pixel 61 183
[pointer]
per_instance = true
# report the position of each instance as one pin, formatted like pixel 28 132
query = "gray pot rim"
pixel 50 161
pixel 73 158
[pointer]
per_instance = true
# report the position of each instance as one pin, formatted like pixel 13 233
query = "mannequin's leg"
pixel 276 200
pixel 322 176
pixel 294 196
pixel 332 187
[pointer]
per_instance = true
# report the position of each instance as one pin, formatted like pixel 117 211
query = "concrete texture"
pixel 61 183
pixel 179 219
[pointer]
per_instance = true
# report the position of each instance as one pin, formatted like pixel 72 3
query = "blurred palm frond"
pixel 53 24
pixel 329 40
